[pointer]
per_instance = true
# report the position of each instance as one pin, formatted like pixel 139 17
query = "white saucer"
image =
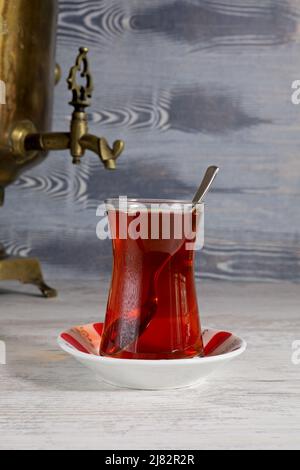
pixel 83 343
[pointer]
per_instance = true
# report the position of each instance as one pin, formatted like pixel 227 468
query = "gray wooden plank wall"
pixel 185 83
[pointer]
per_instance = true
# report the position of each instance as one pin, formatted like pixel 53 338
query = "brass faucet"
pixel 26 142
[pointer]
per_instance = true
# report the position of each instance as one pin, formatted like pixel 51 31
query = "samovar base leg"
pixel 26 271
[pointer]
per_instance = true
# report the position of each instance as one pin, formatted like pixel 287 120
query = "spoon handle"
pixel 208 180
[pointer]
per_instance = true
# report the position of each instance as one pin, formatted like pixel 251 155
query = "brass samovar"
pixel 28 73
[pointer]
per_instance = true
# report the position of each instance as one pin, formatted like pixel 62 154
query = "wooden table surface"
pixel 48 401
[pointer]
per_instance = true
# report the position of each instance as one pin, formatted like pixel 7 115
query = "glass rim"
pixel 134 203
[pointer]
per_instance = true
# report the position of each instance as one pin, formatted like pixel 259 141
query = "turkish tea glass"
pixel 152 310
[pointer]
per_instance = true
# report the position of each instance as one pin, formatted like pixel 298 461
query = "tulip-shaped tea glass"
pixel 152 310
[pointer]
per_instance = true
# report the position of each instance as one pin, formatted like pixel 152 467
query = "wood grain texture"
pixel 185 84
pixel 48 401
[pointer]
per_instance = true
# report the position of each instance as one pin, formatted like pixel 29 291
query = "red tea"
pixel 152 310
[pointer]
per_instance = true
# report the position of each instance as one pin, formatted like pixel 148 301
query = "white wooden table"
pixel 47 401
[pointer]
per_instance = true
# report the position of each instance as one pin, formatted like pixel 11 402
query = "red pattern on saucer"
pixel 87 339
